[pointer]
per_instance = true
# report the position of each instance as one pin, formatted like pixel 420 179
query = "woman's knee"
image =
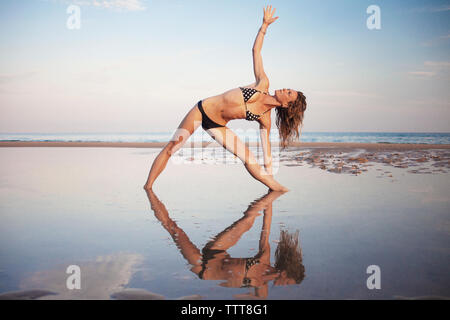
pixel 174 145
pixel 170 148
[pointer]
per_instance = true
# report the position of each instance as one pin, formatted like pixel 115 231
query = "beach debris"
pixel 357 162
pixel 136 294
pixel 430 297
pixel 26 294
pixel 342 160
pixel 191 297
pixel 360 160
pixel 142 294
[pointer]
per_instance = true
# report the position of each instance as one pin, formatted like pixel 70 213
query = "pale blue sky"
pixel 138 66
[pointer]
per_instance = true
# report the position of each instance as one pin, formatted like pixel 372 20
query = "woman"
pixel 252 103
pixel 215 263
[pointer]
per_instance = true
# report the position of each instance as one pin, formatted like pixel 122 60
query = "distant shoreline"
pixel 339 145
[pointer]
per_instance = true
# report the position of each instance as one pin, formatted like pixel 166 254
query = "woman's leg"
pixel 189 124
pixel 231 235
pixel 230 141
pixel 189 251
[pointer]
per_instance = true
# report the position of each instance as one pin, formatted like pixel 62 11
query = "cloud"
pixel 433 102
pixel 437 64
pixel 433 68
pixel 345 93
pixel 7 78
pixel 440 9
pixel 436 41
pixel 126 5
pixel 425 74
pixel 432 9
pixel 101 277
pixel 116 5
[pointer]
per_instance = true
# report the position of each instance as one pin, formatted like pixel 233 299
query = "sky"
pixel 140 65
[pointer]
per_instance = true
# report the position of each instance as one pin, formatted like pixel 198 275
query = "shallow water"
pixel 248 134
pixel 86 207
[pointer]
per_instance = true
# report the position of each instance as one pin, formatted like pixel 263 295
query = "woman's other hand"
pixel 268 15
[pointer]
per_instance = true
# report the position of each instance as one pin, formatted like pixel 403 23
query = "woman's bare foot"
pixel 279 188
pixel 273 184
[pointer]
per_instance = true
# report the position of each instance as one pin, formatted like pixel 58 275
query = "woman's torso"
pixel 233 270
pixel 230 105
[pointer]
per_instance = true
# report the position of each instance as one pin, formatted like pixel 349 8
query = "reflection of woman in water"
pixel 214 263
pixel 253 103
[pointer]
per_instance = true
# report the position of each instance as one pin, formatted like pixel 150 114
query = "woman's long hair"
pixel 289 120
pixel 288 256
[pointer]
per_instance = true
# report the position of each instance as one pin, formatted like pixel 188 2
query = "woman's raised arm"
pixel 257 46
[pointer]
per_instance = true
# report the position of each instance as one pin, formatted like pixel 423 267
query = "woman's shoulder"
pixel 263 84
pixel 260 86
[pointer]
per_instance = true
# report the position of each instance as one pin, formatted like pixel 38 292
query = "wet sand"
pixel 352 158
pixel 358 160
pixel 86 207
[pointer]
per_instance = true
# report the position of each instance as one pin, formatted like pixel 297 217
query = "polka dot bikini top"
pixel 249 262
pixel 247 93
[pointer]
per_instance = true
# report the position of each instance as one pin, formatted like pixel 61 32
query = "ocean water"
pixel 250 135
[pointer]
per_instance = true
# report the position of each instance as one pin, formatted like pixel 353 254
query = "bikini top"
pixel 249 262
pixel 247 93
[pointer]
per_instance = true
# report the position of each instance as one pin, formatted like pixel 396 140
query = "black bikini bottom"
pixel 207 123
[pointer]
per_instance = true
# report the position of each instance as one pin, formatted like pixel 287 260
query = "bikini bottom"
pixel 207 123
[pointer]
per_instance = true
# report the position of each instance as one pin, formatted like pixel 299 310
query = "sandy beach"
pixel 353 158
pixel 335 145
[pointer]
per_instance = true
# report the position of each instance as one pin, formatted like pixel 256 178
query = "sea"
pixel 249 135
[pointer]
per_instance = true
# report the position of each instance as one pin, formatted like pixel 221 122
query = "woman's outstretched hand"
pixel 268 15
